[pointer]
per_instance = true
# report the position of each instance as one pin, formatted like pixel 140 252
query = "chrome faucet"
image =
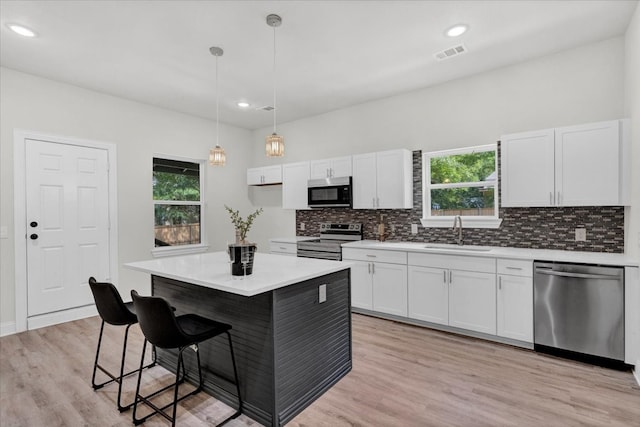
pixel 458 221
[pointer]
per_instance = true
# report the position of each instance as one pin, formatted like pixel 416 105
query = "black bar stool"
pixel 163 329
pixel 113 311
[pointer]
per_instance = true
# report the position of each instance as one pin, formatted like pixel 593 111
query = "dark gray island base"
pixel 289 347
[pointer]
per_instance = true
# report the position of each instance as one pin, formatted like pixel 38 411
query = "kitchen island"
pixel 291 327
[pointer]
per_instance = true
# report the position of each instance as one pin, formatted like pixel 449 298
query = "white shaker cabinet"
pixel 264 175
pixel 283 248
pixel 331 168
pixel 378 280
pixel 383 180
pixel 584 165
pixel 515 299
pixel 458 291
pixel 294 185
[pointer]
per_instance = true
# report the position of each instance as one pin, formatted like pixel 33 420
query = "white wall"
pixel 632 110
pixel 36 104
pixel 572 87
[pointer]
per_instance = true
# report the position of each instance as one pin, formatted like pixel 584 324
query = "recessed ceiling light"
pixel 22 30
pixel 243 104
pixel 457 30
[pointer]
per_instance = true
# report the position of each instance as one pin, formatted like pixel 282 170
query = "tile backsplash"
pixel 538 228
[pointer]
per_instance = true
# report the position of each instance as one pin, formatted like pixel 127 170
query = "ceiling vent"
pixel 450 52
pixel 265 108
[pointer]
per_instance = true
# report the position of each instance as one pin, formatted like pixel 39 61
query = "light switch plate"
pixel 3 232
pixel 303 226
pixel 322 293
pixel 414 228
pixel 581 234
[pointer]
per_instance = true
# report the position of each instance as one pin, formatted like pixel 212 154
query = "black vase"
pixel 241 256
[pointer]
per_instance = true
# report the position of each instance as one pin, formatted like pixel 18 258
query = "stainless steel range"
pixel 332 236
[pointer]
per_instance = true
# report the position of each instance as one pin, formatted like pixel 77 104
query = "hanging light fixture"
pixel 274 142
pixel 217 156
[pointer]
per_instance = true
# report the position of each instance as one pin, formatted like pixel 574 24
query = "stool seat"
pixel 162 328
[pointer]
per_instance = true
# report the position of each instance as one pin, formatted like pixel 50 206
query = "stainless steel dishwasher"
pixel 579 308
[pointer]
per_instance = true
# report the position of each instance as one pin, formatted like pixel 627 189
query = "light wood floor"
pixel 402 376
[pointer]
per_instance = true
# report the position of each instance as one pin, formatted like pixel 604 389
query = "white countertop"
pixel 500 252
pixel 212 270
pixel 294 239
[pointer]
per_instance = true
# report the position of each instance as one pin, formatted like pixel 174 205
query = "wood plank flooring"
pixel 402 376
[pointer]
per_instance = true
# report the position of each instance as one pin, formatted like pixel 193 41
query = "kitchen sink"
pixel 458 248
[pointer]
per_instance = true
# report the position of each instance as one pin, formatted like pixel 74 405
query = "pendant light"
pixel 274 142
pixel 217 156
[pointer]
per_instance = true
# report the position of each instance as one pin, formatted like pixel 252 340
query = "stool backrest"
pixel 157 321
pixel 109 303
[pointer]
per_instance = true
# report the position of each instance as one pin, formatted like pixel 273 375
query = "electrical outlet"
pixel 581 234
pixel 303 226
pixel 322 293
pixel 393 228
pixel 414 228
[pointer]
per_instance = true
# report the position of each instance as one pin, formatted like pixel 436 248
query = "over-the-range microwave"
pixel 329 192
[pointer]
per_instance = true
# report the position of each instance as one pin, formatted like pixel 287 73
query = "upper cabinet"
pixel 330 168
pixel 265 175
pixel 294 185
pixel 383 180
pixel 585 165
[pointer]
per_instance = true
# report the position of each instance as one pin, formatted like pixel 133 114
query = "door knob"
pixel 34 236
pixel 33 224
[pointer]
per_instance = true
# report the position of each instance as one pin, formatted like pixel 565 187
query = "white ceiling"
pixel 330 54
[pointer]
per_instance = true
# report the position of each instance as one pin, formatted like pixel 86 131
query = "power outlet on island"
pixel 581 234
pixel 322 293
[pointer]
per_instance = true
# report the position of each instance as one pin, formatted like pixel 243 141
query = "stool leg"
pixel 95 364
pixel 235 374
pixel 137 396
pixel 120 381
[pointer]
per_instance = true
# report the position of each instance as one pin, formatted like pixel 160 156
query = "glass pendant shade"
pixel 274 145
pixel 217 156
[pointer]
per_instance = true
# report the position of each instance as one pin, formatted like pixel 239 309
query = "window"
pixel 177 204
pixel 461 182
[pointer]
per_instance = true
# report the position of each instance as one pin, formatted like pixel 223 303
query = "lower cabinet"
pixel 283 248
pixel 515 299
pixel 442 290
pixel 378 285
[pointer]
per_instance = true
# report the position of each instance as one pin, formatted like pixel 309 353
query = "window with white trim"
pixel 461 182
pixel 178 187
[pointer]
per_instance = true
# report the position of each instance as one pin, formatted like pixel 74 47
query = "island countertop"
pixel 212 270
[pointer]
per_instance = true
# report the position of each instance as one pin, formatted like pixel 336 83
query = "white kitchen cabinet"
pixel 264 175
pixel 283 248
pixel 294 185
pixel 331 168
pixel 458 291
pixel 515 299
pixel 378 280
pixel 428 294
pixel 584 165
pixel 383 180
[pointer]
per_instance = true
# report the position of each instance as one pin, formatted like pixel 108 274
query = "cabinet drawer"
pixel 375 255
pixel 453 262
pixel 283 248
pixel 515 267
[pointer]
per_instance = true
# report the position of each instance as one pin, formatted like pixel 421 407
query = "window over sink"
pixel 178 187
pixel 461 182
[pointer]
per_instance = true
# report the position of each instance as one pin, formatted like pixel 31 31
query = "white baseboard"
pixel 49 319
pixel 7 328
pixel 636 371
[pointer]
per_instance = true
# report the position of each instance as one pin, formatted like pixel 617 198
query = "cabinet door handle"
pixel 369 267
pixel 559 198
pixel 373 202
pixel 377 202
pixel 514 268
pixel 450 276
pixel 550 198
pixel 444 278
pixel 372 256
pixel 500 283
pixel 373 268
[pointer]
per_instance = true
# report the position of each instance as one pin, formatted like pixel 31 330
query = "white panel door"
pixel 390 288
pixel 320 169
pixel 527 166
pixel 364 181
pixel 472 301
pixel 341 166
pixel 428 295
pixel 67 215
pixel 587 164
pixel 361 291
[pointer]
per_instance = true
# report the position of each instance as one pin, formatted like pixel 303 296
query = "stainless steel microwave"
pixel 329 192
